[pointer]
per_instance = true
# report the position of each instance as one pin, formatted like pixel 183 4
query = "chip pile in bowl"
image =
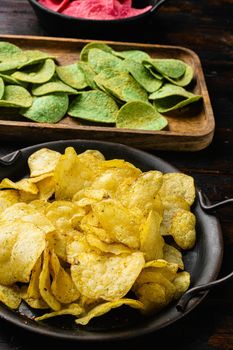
pixel 74 242
pixel 95 9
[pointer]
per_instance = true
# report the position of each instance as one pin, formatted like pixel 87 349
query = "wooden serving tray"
pixel 191 132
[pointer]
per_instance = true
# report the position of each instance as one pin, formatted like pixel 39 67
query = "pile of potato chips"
pixel 125 89
pixel 82 235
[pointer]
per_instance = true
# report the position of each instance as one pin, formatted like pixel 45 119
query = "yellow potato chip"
pixel 156 263
pixel 158 276
pixel 88 196
pixel 92 158
pixel 46 188
pixel 90 193
pixel 114 248
pixel 88 303
pixel 175 202
pixel 21 244
pixel 110 178
pixel 22 185
pixel 57 241
pixel 77 218
pixel 168 216
pixel 27 197
pixel 121 164
pixel 152 296
pixel 60 213
pixel 178 184
pixel 168 270
pixel 10 296
pixel 151 241
pixel 165 227
pixel 173 255
pixel 43 161
pixel 45 185
pixel 31 293
pixel 158 205
pixel 26 213
pixel 62 287
pixel 40 177
pixel 171 204
pixel 39 205
pixel 45 283
pixel 73 309
pixel 106 276
pixel 106 307
pixel 76 247
pixel 86 202
pixel 87 228
pixel 114 219
pixel 33 286
pixel 71 175
pixel 183 229
pixel 8 198
pixel 90 224
pixel 141 193
pixel 32 302
pixel 80 244
pixel 182 283
pixel 113 172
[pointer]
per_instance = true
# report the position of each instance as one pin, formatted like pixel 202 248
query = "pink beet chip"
pixel 95 9
pixel 55 5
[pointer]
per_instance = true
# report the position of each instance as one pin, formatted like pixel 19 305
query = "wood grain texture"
pixel 206 27
pixel 190 130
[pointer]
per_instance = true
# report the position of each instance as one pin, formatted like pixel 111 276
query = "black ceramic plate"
pixel 203 262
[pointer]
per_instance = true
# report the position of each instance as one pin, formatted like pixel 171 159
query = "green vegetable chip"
pixel 170 67
pixel 2 87
pixel 47 109
pixel 171 97
pixel 9 79
pixel 53 85
pixel 134 55
pixel 72 75
pixel 95 106
pixel 7 49
pixel 100 60
pixel 89 74
pixel 37 74
pixel 93 45
pixel 185 79
pixel 142 75
pixel 15 96
pixel 35 56
pixel 12 61
pixel 140 115
pixel 121 85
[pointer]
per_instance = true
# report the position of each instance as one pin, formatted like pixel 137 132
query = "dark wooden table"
pixel 205 27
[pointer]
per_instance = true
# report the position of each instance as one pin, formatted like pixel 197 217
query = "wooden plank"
pixel 186 132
